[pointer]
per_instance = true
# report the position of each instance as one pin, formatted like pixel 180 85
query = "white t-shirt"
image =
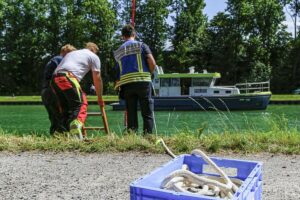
pixel 79 63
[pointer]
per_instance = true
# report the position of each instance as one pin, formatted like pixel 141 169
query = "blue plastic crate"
pixel 148 187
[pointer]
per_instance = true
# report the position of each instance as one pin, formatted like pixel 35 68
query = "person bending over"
pixel 66 79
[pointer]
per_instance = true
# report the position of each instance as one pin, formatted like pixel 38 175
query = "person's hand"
pixel 101 102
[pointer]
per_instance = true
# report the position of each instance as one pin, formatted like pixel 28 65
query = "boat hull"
pixel 237 102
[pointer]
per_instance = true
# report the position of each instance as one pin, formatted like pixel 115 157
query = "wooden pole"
pixel 132 12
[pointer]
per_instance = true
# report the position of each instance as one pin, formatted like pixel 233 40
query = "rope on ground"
pixel 183 180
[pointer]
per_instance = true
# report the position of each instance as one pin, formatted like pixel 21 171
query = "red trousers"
pixel 72 100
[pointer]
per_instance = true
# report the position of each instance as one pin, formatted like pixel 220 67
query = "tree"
pixel 3 68
pixel 189 33
pixel 251 31
pixel 226 48
pixel 53 26
pixel 294 12
pixel 23 42
pixel 282 58
pixel 33 31
pixel 151 24
pixel 91 20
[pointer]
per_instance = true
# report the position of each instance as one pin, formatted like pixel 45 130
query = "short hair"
pixel 92 46
pixel 67 49
pixel 128 31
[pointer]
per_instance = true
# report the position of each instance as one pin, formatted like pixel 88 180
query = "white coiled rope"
pixel 183 180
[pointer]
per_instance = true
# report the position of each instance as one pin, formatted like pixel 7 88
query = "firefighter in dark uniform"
pixel 134 67
pixel 48 98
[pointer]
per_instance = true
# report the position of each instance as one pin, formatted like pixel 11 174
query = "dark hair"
pixel 128 31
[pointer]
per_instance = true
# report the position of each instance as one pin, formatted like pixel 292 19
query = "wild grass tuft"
pixel 247 142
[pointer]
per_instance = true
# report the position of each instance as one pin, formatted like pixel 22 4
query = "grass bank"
pixel 277 141
pixel 38 98
pixel 285 97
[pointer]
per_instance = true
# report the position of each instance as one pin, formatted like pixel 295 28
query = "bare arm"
pixel 98 84
pixel 151 63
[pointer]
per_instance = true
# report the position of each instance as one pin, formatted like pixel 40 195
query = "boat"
pixel 197 91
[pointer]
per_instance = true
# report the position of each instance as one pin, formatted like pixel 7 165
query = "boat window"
pixel 164 82
pixel 228 92
pixel 175 82
pixel 200 90
pixel 201 82
pixel 216 92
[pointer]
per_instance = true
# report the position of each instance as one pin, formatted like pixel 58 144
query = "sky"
pixel 215 6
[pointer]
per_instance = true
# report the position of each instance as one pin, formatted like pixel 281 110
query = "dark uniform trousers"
pixel 51 103
pixel 134 93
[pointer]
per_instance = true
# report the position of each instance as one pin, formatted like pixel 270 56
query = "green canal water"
pixel 25 119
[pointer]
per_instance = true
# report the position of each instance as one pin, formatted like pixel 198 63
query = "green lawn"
pixel 26 119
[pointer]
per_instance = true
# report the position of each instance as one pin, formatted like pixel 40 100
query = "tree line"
pixel 247 42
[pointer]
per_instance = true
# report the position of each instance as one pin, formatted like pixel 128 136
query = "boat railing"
pixel 225 86
pixel 246 88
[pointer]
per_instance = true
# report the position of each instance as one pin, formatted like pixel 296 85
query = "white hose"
pixel 183 180
pixel 217 169
pixel 169 152
pixel 195 179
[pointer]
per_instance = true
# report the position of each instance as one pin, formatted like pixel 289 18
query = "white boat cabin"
pixel 190 84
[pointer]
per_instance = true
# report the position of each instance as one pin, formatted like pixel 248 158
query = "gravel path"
pixel 52 176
